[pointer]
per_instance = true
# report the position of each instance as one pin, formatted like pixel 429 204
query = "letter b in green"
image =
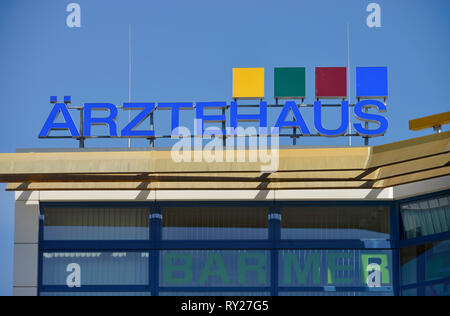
pixel 170 268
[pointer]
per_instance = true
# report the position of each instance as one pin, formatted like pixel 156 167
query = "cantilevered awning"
pixel 325 168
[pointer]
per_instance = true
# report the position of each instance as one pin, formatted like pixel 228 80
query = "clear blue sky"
pixel 184 50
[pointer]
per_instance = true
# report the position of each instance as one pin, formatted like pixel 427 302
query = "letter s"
pixel 366 117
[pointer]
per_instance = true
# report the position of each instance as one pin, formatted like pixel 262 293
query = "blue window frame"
pixel 218 265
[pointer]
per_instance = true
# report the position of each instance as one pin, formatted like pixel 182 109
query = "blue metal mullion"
pixel 214 289
pixel 97 245
pixel 40 252
pixel 424 196
pixel 156 224
pixel 395 238
pixel 215 244
pixel 421 271
pixel 425 283
pixel 274 237
pixel 96 288
pixel 425 239
pixel 326 244
pixel 335 289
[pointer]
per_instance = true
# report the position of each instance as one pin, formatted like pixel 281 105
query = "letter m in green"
pixel 292 264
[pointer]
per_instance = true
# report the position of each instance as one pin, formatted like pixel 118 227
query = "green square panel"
pixel 290 83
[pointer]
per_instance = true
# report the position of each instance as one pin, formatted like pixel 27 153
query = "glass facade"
pixel 334 268
pixel 96 268
pixel 426 217
pixel 425 262
pixel 96 223
pixel 425 256
pixel 335 222
pixel 245 249
pixel 211 268
pixel 214 223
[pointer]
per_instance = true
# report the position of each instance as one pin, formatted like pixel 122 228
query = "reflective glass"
pixel 205 268
pixel 214 294
pixel 442 289
pixel 96 223
pixel 336 268
pixel 335 222
pixel 325 293
pixel 215 223
pixel 425 262
pixel 78 269
pixel 95 294
pixel 426 217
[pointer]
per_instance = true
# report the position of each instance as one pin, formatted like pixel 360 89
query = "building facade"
pixel 331 221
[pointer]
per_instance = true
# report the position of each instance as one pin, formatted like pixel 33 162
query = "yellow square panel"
pixel 248 83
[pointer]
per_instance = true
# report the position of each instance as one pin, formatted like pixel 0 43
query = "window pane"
pixel 438 290
pixel 215 222
pixel 96 223
pixel 442 289
pixel 336 268
pixel 426 217
pixel 425 262
pixel 95 268
pixel 95 294
pixel 195 268
pixel 214 294
pixel 335 222
pixel 324 293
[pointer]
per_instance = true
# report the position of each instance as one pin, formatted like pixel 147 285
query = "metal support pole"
pixel 294 132
pixel 294 138
pixel 152 128
pixel 437 129
pixel 82 127
pixel 224 136
pixel 366 125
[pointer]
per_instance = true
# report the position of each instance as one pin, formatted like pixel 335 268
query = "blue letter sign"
pixel 366 117
pixel 51 125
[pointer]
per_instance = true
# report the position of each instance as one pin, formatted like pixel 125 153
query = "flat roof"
pixel 299 168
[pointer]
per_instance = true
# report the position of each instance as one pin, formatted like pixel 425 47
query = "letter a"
pixel 374 18
pixel 74 278
pixel 74 18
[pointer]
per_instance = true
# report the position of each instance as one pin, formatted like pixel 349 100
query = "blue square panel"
pixel 371 82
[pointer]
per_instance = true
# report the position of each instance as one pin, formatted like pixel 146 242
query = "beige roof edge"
pixel 404 157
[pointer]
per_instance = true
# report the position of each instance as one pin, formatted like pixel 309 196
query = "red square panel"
pixel 331 82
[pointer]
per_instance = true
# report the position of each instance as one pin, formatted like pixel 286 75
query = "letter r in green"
pixel 384 267
pixel 259 267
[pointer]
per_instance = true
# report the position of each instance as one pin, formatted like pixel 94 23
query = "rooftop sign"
pixel 248 83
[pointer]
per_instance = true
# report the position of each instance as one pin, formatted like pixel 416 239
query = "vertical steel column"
pixel 366 126
pixel 294 133
pixel 155 242
pixel 40 252
pixel 395 244
pixel 152 128
pixel 274 237
pixel 82 127
pixel 224 136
